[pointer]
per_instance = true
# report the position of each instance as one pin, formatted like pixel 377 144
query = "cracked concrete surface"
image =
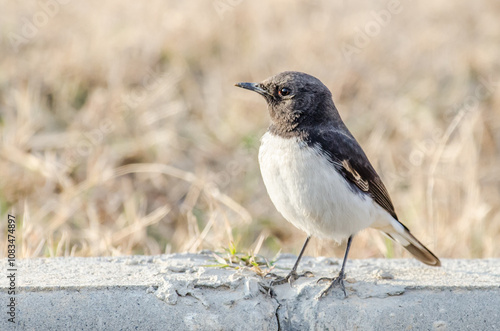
pixel 179 292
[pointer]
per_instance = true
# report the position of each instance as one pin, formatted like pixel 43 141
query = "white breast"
pixel 309 193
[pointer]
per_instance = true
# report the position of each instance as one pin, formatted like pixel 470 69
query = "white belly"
pixel 309 193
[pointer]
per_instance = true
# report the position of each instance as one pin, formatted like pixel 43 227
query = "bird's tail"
pixel 402 235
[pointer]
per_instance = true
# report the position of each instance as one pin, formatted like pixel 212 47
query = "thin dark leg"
pixel 292 276
pixel 349 241
pixel 296 265
pixel 340 279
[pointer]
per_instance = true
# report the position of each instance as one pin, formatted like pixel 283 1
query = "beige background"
pixel 122 133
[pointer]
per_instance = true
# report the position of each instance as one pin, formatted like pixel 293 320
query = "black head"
pixel 296 100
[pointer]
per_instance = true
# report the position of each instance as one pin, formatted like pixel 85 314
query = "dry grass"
pixel 121 132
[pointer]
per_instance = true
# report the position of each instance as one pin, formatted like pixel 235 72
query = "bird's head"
pixel 295 100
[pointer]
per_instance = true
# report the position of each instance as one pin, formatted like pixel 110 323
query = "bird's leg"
pixel 293 275
pixel 339 280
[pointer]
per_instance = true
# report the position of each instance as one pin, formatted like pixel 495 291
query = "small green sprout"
pixel 232 258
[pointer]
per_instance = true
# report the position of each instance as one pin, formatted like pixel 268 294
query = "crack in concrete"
pixel 276 313
pixel 268 292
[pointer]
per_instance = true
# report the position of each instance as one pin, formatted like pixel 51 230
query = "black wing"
pixel 348 157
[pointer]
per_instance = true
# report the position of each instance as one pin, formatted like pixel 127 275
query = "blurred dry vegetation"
pixel 122 133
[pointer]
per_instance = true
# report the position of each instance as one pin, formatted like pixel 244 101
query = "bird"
pixel 318 176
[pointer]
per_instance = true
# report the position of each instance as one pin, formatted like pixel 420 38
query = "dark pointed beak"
pixel 253 87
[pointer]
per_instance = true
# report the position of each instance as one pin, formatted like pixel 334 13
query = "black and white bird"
pixel 316 173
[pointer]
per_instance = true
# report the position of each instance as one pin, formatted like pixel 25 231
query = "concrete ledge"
pixel 178 292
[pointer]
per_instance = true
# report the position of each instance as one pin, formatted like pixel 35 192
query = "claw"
pixel 290 278
pixel 334 282
pixel 268 290
pixel 322 279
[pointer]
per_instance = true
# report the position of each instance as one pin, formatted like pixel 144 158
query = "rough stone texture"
pixel 180 292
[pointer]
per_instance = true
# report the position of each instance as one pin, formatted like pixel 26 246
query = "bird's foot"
pixel 333 282
pixel 293 276
pixel 267 289
pixel 290 278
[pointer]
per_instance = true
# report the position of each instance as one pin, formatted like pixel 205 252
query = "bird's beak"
pixel 253 87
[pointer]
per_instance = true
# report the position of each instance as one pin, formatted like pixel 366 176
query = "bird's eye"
pixel 284 91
